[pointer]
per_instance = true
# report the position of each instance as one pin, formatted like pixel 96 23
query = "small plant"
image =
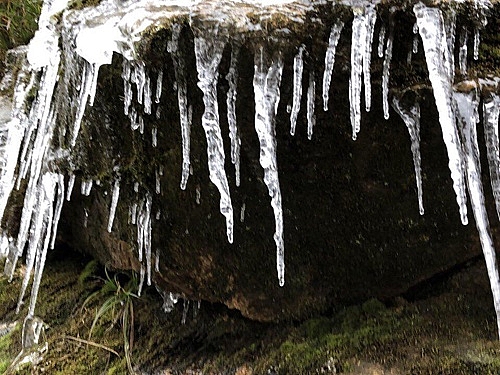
pixel 119 301
pixel 18 21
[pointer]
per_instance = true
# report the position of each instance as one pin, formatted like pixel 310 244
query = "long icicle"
pixel 467 108
pixel 185 118
pixel 234 135
pixel 411 118
pixel 330 60
pixel 298 68
pixel 431 29
pixel 266 84
pixel 208 53
pixel 491 114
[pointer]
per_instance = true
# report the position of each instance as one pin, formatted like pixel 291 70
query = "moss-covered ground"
pixel 446 326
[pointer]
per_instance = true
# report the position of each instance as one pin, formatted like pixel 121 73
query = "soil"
pixel 445 325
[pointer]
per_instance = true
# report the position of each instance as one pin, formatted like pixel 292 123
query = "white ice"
pixel 467 113
pixel 411 118
pixel 114 202
pixel 298 68
pixel 266 83
pixel 434 39
pixel 330 60
pixel 491 112
pixel 208 51
pixel 311 96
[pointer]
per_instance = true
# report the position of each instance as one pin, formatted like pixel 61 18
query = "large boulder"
pixel 352 228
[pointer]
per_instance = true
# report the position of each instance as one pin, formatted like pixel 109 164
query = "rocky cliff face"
pixel 142 102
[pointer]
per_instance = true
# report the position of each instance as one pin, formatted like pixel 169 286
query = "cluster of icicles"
pixel 27 153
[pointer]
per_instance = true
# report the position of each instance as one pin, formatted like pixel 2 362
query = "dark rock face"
pixel 351 224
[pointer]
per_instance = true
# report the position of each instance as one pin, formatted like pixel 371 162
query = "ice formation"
pixel 208 53
pixel 330 60
pixel 468 116
pixel 411 118
pixel 266 84
pixel 70 74
pixel 439 63
pixel 298 68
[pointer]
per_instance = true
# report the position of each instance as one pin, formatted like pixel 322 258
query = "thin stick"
pixel 93 344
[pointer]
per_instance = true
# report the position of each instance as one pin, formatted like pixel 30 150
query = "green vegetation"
pixel 119 302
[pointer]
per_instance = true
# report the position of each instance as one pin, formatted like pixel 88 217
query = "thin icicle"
pixel 298 68
pixel 142 273
pixel 232 79
pixel 381 41
pixel 58 209
pixel 330 60
pixel 358 41
pixel 86 187
pixel 158 182
pixel 157 260
pixel 71 184
pixel 144 234
pixel 311 95
pixel 87 91
pixel 476 43
pixel 433 34
pixel 462 55
pixel 185 118
pixel 415 38
pixel 370 18
pixel 127 86
pixel 411 118
pixel 208 53
pixel 147 95
pixel 491 112
pixel 159 86
pixel 266 83
pixel 154 137
pixel 386 69
pixel 114 202
pixel 467 105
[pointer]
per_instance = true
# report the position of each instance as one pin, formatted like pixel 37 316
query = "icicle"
pixel 381 40
pixel 158 182
pixel 141 280
pixel 133 218
pixel 298 68
pixel 449 27
pixel 431 28
pixel 491 112
pixel 415 38
pixel 361 47
pixel 185 118
pixel 159 83
pixel 370 18
pixel 89 82
pixel 386 69
pixel 86 187
pixel 242 213
pixel 357 49
pixel 476 44
pixel 39 237
pixel 144 234
pixel 157 260
pixel 411 118
pixel 232 79
pixel 11 134
pixel 154 137
pixel 127 85
pixel 462 55
pixel 266 82
pixel 114 203
pixel 467 104
pixel 71 184
pixel 311 95
pixel 208 55
pixel 85 217
pixel 147 95
pixel 198 194
pixel 330 60
pixel 58 209
pixel 136 187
